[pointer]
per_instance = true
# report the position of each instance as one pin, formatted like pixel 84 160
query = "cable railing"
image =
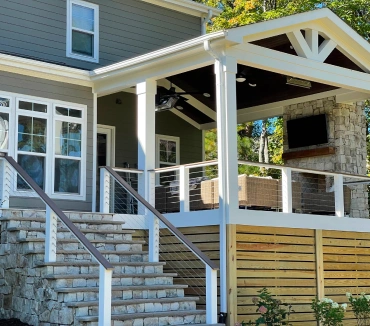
pixel 262 186
pixel 15 178
pixel 163 241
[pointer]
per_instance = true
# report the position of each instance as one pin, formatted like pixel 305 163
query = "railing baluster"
pixel 105 297
pixel 211 295
pixel 339 195
pixel 286 190
pixel 184 189
pixel 153 222
pixel 5 176
pixel 105 190
pixel 50 236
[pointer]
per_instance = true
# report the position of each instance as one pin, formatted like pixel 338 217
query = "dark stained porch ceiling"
pixel 270 88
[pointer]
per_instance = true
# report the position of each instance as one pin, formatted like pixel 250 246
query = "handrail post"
pixel 105 190
pixel 339 196
pixel 5 184
pixel 50 236
pixel 286 190
pixel 153 221
pixel 105 296
pixel 184 189
pixel 211 295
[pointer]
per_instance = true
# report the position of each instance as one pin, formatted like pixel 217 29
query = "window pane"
pixel 29 106
pixel 83 18
pixel 35 167
pixel 25 124
pixel 68 112
pixel 31 134
pixel 82 43
pixel 39 144
pixel 67 176
pixel 4 130
pixel 4 102
pixel 74 148
pixel 67 138
pixel 75 131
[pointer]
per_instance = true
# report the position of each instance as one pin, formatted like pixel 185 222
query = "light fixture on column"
pixel 247 75
pixel 241 77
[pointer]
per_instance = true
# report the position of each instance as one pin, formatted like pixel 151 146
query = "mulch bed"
pixel 12 322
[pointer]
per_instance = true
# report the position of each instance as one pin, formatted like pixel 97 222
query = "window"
pixel 83 30
pixel 48 139
pixel 167 154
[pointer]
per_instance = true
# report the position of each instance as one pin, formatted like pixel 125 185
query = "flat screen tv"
pixel 307 131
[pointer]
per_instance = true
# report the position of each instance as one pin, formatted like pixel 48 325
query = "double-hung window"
pixel 48 139
pixel 82 30
pixel 168 154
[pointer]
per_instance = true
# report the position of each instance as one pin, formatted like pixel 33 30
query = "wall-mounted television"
pixel 307 131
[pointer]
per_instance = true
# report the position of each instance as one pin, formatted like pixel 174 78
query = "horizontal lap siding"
pixel 128 28
pixel 280 259
pixel 346 266
pixel 55 91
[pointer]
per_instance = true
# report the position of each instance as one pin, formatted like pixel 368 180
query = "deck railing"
pixel 161 238
pixel 263 186
pixel 11 171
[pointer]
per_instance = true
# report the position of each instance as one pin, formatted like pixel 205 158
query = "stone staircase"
pixel 66 292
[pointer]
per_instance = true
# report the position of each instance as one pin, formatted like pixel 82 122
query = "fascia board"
pixel 155 56
pixel 44 70
pixel 186 6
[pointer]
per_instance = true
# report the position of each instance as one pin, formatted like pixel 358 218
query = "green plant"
pixel 273 311
pixel 328 312
pixel 360 307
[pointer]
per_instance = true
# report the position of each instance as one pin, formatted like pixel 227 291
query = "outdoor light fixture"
pixel 240 77
pixel 248 75
pixel 298 82
pixel 166 103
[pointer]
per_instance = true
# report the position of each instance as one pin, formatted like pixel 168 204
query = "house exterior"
pixel 81 87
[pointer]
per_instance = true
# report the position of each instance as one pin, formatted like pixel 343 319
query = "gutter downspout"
pixel 223 230
pixel 205 20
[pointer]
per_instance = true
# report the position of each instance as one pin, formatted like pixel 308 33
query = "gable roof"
pixel 186 6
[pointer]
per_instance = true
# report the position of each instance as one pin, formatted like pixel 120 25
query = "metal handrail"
pixel 67 222
pixel 167 223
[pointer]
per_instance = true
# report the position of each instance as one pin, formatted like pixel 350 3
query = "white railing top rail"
pixel 189 166
pixel 66 221
pixel 204 258
pixel 127 170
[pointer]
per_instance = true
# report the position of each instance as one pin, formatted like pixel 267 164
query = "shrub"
pixel 328 312
pixel 360 307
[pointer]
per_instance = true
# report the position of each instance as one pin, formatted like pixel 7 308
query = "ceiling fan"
pixel 168 99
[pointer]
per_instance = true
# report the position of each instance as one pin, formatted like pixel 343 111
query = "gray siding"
pixel 57 91
pixel 128 28
pixel 123 117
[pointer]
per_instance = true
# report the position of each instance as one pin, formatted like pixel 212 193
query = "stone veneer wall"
pixel 346 133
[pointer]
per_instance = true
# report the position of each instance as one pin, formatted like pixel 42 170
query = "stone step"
pixel 89 280
pixel 82 267
pixel 82 254
pixel 73 220
pixel 120 292
pixel 132 306
pixel 155 318
pixel 63 230
pixel 131 301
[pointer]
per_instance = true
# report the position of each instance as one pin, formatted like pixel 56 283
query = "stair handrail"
pixel 106 268
pixel 164 220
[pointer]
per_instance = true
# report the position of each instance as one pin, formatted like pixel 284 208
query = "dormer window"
pixel 82 30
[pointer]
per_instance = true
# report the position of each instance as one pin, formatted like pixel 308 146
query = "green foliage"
pixel 327 312
pixel 360 307
pixel 272 311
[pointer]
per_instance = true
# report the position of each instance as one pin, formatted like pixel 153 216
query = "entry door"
pixel 105 153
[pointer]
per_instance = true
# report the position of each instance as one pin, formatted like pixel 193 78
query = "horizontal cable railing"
pixel 16 181
pixel 162 240
pixel 263 186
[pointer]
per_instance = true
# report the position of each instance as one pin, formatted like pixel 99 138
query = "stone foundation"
pixel 346 126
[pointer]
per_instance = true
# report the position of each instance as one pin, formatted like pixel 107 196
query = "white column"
pixel 286 190
pixel 105 296
pixel 50 236
pixel 211 296
pixel 184 189
pixel 5 179
pixel 339 196
pixel 227 157
pixel 105 191
pixel 146 157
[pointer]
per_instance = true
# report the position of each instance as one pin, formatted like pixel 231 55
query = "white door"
pixel 105 153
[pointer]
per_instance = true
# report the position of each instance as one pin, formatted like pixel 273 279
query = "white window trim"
pixel 50 155
pixel 170 138
pixel 70 54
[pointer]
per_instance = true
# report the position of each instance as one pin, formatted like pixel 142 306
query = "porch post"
pixel 146 92
pixel 225 70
